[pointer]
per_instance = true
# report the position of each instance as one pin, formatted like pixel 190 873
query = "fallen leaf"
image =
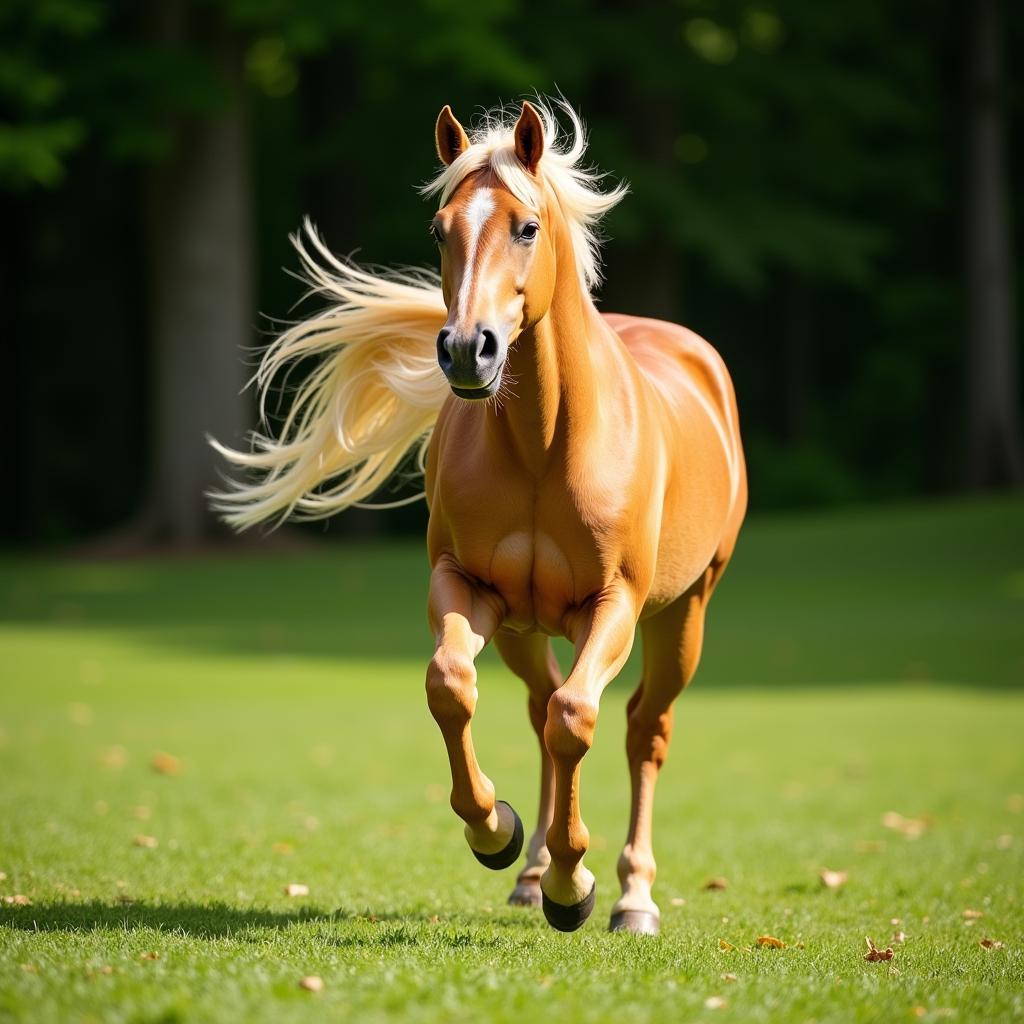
pixel 988 943
pixel 112 757
pixel 296 889
pixel 895 920
pixel 898 938
pixel 149 956
pixel 912 828
pixel 717 883
pixel 728 977
pixel 18 900
pixel 147 842
pixel 973 915
pixel 678 901
pixel 80 714
pixel 726 947
pixel 833 879
pixel 165 764
pixel 917 1011
pixel 311 983
pixel 715 1003
pixel 874 954
pixel 29 968
pixel 770 941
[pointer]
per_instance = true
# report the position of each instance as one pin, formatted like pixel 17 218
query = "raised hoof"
pixel 526 894
pixel 568 919
pixel 636 922
pixel 510 854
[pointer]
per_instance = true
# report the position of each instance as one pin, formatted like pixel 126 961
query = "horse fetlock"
pixel 567 845
pixel 636 865
pixel 476 806
pixel 569 729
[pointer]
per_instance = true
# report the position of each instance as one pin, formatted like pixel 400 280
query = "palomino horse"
pixel 583 471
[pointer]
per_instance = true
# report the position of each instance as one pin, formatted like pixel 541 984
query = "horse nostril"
pixel 444 357
pixel 489 345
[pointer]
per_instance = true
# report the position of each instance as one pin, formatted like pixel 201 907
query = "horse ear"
pixel 451 138
pixel 529 138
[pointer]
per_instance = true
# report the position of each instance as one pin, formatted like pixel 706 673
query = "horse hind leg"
pixel 532 660
pixel 672 642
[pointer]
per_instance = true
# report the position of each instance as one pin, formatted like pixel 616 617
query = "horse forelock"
pixel 576 187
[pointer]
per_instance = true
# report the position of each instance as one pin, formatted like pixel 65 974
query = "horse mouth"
pixel 480 393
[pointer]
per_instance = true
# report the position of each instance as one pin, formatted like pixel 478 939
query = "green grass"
pixel 856 664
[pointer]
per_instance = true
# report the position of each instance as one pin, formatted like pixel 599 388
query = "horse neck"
pixel 553 369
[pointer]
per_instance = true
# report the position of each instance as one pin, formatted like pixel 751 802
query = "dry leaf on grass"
pixel 833 879
pixel 874 954
pixel 987 943
pixel 311 983
pixel 770 942
pixel 678 901
pixel 726 947
pixel 898 938
pixel 112 757
pixel 728 977
pixel 973 915
pixel 165 764
pixel 149 956
pixel 912 828
pixel 296 889
pixel 18 900
pixel 715 1003
pixel 717 883
pixel 147 842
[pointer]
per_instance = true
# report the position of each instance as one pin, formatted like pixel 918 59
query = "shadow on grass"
pixel 219 920
pixel 918 593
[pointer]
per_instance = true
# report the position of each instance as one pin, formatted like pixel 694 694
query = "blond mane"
pixel 377 391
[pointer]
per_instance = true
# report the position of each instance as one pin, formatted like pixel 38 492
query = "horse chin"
pixel 481 393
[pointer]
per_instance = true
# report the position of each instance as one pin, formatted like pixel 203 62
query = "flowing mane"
pixel 377 390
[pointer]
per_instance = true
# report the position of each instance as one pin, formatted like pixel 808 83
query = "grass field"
pixel 857 664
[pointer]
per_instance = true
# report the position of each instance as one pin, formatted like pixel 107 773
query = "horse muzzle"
pixel 472 362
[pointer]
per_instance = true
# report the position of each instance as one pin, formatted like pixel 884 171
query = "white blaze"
pixel 478 212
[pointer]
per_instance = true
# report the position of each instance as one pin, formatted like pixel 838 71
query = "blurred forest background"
pixel 822 190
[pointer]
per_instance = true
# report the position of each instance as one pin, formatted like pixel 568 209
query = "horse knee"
pixel 569 729
pixel 647 737
pixel 451 688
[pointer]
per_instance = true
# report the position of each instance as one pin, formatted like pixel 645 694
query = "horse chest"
pixel 541 573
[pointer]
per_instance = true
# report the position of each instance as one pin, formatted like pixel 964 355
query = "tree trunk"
pixel 200 255
pixel 994 452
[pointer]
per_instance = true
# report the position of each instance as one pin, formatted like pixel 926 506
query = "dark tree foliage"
pixel 797 177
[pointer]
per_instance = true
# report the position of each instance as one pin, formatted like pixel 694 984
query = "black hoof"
pixel 509 855
pixel 568 919
pixel 526 894
pixel 636 922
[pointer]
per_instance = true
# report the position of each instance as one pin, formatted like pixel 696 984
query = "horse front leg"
pixel 531 658
pixel 464 618
pixel 603 641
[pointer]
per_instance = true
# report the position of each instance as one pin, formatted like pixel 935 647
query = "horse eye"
pixel 435 234
pixel 529 232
